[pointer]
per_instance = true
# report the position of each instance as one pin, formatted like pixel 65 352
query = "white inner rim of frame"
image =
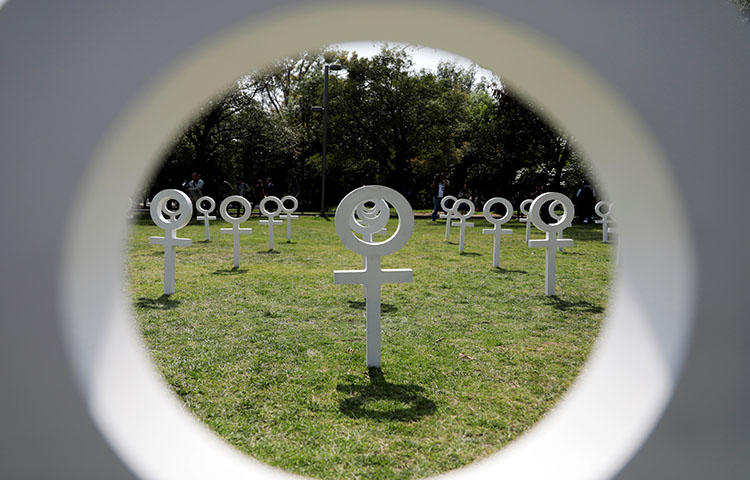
pixel 625 385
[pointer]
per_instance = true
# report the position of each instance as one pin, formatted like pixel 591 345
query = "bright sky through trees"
pixel 423 57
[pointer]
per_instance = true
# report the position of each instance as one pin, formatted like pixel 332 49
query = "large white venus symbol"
pixel 206 217
pixel 497 230
pixel 449 213
pixel 236 231
pixel 287 215
pixel 373 277
pixel 271 220
pixel 176 219
pixel 551 242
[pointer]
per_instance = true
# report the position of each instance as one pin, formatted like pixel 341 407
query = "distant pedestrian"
pixel 270 187
pixel 585 199
pixel 437 189
pixel 259 193
pixel 242 189
pixel 195 187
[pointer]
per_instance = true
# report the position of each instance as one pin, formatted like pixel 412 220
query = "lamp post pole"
pixel 324 110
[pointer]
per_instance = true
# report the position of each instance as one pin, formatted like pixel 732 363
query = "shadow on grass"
pixel 268 252
pixel 160 303
pixel 581 305
pixel 568 252
pixel 451 243
pixel 505 270
pixel 384 307
pixel 380 389
pixel 471 254
pixel 229 271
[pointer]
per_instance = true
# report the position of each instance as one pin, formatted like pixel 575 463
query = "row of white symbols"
pixel 173 220
pixel 553 240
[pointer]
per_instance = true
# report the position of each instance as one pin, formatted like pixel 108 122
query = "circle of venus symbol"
pixel 524 209
pixel 551 242
pixel 206 217
pixel 606 218
pixel 462 219
pixel 497 230
pixel 176 219
pixel 270 214
pixel 448 215
pixel 287 215
pixel 373 277
pixel 236 231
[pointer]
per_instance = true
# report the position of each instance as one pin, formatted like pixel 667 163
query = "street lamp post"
pixel 324 109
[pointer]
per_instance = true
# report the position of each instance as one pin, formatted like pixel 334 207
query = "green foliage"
pixel 388 124
pixel 272 356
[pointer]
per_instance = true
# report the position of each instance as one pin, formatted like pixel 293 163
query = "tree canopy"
pixel 388 124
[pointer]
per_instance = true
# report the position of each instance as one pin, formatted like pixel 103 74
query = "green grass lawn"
pixel 272 355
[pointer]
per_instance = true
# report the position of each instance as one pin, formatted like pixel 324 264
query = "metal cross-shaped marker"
pixel 174 220
pixel 270 221
pixel 498 231
pixel 523 209
pixel 236 231
pixel 462 223
pixel 449 213
pixel 369 221
pixel 551 242
pixel 206 217
pixel 606 218
pixel 287 215
pixel 372 276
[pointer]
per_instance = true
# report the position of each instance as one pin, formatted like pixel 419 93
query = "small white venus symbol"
pixel 270 214
pixel 498 231
pixel 372 276
pixel 174 220
pixel 235 231
pixel 604 210
pixel 551 242
pixel 524 209
pixel 448 215
pixel 462 223
pixel 287 215
pixel 206 217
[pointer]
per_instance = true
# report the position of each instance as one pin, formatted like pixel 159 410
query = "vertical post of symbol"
pixel 235 231
pixel 449 213
pixel 551 242
pixel 174 220
pixel 372 276
pixel 604 210
pixel 497 231
pixel 524 210
pixel 462 223
pixel 206 217
pixel 270 217
pixel 287 215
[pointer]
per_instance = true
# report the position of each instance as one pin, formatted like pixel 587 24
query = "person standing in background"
pixel 437 189
pixel 259 192
pixel 270 187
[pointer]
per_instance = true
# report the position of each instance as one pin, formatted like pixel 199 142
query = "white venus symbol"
pixel 551 242
pixel 497 231
pixel 206 211
pixel 372 276
pixel 270 220
pixel 174 220
pixel 235 231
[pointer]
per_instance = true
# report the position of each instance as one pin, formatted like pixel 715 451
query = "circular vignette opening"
pixel 627 381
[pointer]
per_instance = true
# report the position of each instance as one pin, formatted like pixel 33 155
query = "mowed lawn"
pixel 272 355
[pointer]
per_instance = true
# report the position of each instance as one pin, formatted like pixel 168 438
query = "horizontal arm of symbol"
pixel 178 242
pixel 563 242
pixel 241 230
pixel 457 223
pixel 503 231
pixel 203 217
pixel 265 222
pixel 395 275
